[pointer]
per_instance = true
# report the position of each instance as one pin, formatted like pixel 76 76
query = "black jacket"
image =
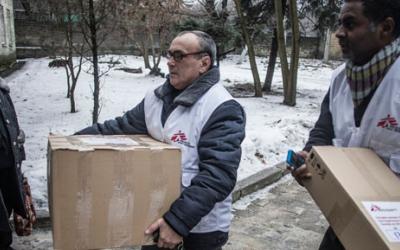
pixel 11 155
pixel 219 148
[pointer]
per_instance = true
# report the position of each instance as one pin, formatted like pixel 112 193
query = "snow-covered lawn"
pixel 39 95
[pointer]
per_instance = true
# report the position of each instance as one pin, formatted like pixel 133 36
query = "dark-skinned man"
pixel 362 106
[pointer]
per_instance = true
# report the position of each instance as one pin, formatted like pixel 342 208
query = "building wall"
pixel 310 47
pixel 38 37
pixel 7 34
pixel 335 51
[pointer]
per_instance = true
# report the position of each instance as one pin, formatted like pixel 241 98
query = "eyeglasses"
pixel 179 55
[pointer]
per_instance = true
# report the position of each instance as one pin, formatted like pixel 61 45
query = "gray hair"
pixel 206 42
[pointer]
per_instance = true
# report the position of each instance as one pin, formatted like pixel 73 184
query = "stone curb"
pixel 243 187
pixel 259 180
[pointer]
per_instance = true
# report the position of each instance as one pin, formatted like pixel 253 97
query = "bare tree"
pixel 216 24
pixel 96 25
pixel 249 43
pixel 72 70
pixel 290 95
pixel 274 49
pixel 63 11
pixel 148 23
pixel 289 75
pixel 271 62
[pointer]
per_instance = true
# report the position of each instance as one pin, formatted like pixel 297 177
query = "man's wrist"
pixel 176 224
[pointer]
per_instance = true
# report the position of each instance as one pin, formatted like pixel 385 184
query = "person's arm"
pixel 132 122
pixel 219 157
pixel 322 133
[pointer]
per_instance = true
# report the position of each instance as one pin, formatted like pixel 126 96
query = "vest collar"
pixel 194 91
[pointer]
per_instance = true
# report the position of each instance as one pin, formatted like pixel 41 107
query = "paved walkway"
pixel 284 218
pixel 287 218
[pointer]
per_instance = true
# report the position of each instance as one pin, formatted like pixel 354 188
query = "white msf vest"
pixel 380 126
pixel 183 129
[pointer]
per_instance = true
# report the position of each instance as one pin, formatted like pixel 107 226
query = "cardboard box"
pixel 104 191
pixel 358 194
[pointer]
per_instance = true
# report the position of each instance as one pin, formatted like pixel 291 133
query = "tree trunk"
pixel 96 78
pixel 74 80
pixel 145 54
pixel 271 63
pixel 157 57
pixel 249 43
pixel 218 57
pixel 153 50
pixel 290 99
pixel 68 36
pixel 327 45
pixel 282 46
pixel 154 70
pixel 243 55
pixel 68 81
pixel 72 102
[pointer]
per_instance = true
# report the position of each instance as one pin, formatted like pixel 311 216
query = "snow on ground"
pixel 39 95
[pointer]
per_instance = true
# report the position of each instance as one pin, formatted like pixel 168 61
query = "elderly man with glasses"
pixel 193 111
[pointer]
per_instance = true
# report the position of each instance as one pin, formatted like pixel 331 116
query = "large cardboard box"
pixel 105 190
pixel 358 194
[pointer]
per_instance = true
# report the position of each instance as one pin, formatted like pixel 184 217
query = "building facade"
pixel 7 34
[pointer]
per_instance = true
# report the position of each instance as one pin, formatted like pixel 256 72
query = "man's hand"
pixel 302 172
pixel 168 238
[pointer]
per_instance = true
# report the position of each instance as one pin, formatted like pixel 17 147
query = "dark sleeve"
pixel 132 122
pixel 322 133
pixel 219 157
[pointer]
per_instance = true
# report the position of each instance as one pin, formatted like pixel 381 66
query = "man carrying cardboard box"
pixel 194 111
pixel 362 107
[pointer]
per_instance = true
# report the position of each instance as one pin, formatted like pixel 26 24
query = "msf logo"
pixel 376 208
pixel 181 138
pixel 389 123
